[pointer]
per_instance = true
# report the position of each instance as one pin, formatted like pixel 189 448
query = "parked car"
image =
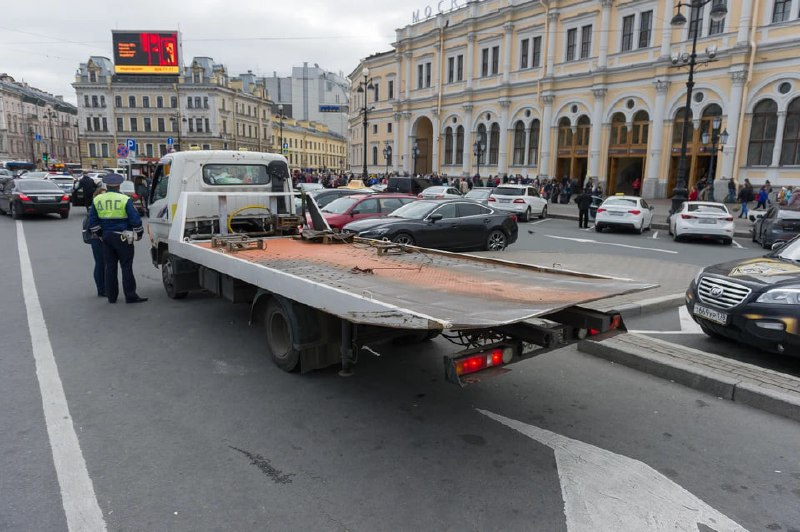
pixel 702 219
pixel 308 187
pixel 64 181
pixel 33 196
pixel 33 175
pixel 348 209
pixel 774 225
pixel 325 196
pixel 523 200
pixel 479 194
pixel 624 212
pixel 439 192
pixel 407 185
pixel 128 188
pixel 596 202
pixel 453 225
pixel 752 301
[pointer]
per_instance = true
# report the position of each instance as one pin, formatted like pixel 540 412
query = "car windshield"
pixel 414 211
pixel 341 205
pixel 622 202
pixel 478 194
pixel 790 251
pixel 36 185
pixel 508 191
pixel 706 208
pixel 34 175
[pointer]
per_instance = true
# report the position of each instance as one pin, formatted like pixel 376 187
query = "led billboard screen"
pixel 145 52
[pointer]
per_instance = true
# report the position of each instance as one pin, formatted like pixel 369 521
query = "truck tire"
pixel 168 279
pixel 280 338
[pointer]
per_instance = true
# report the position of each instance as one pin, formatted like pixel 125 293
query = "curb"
pixel 651 305
pixel 701 375
pixel 655 225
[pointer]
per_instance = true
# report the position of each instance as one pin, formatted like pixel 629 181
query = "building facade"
pixel 589 89
pixel 310 146
pixel 34 123
pixel 202 108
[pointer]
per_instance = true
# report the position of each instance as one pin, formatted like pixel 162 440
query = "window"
pixel 537 52
pixel 460 67
pixel 93 76
pixel 105 123
pixel 519 144
pixel 159 101
pixel 564 133
pixel 148 124
pixel 641 128
pixel 696 22
pixel 96 123
pixel 645 29
pixel 586 41
pixel 448 146
pixel 523 53
pixel 389 127
pixel 485 62
pixel 145 101
pixel 582 135
pixel 619 130
pixel 162 150
pixel 197 102
pixel 196 77
pixel 104 149
pixel 118 101
pixel 374 129
pixel 191 126
pixel 94 101
pixel 120 124
pixel 161 125
pixel 460 145
pixel 374 155
pixel 763 128
pixel 420 72
pixel 208 129
pixel 205 102
pixel 572 37
pixel 715 27
pixel 377 92
pixel 92 149
pixel 495 59
pixel 391 89
pixel 189 102
pixel 173 101
pixel 533 144
pixel 790 150
pixel 131 101
pixel 206 146
pixel 494 143
pixel 451 69
pixel 427 74
pixel 627 33
pixel 781 11
pixel 134 124
pixel 236 174
pixel 224 126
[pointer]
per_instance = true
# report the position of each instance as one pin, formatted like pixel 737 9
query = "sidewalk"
pixel 662 208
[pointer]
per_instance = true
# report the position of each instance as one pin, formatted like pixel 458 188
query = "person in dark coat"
pixel 88 186
pixel 584 201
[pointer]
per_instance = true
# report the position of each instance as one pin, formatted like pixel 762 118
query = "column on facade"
pixel 745 19
pixel 596 133
pixel 408 142
pixel 546 135
pixel 602 61
pixel 508 27
pixel 734 111
pixel 396 148
pixel 502 155
pixel 407 56
pixel 656 141
pixel 525 161
pixel 666 33
pixel 470 58
pixel 466 163
pixel 434 116
pixel 552 18
pixel 776 151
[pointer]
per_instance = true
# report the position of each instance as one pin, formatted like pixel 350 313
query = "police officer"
pixel 114 217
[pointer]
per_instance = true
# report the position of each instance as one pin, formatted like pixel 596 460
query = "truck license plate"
pixel 711 314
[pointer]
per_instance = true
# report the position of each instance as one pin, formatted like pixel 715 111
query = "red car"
pixel 348 209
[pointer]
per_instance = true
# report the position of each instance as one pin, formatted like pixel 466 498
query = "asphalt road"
pixel 184 424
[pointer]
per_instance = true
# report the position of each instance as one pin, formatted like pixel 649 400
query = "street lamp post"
pixel 387 154
pixel 415 154
pixel 281 118
pixel 478 149
pixel 50 115
pixel 718 13
pixel 362 87
pixel 78 142
pixel 718 141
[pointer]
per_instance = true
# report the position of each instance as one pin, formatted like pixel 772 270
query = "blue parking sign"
pixel 170 141
pixel 131 144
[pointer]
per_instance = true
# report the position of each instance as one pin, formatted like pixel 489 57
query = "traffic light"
pixel 45 157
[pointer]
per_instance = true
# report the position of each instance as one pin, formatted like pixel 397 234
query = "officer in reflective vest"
pixel 113 217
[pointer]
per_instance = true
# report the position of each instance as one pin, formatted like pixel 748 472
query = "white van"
pixel 210 171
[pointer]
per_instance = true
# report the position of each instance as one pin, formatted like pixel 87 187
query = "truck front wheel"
pixel 280 338
pixel 168 279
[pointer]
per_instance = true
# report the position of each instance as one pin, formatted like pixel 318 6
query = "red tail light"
pixel 477 362
pixel 23 197
pixel 439 196
pixel 601 209
pixel 689 217
pixel 635 211
pixel 728 218
pixel 64 198
pixel 491 199
pixel 519 200
pixel 135 196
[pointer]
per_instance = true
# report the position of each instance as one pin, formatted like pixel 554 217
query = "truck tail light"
pixel 519 200
pixel 483 360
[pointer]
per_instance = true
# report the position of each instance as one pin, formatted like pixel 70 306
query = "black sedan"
pixel 753 301
pixel 452 225
pixel 33 196
pixel 775 225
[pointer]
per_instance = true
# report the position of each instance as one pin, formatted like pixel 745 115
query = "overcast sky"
pixel 44 41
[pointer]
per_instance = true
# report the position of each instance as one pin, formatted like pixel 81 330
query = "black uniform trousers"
pixel 583 218
pixel 115 252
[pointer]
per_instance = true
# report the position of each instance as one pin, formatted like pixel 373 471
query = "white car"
pixel 702 219
pixel 523 200
pixel 439 193
pixel 624 212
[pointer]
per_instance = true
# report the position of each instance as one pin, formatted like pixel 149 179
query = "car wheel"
pixel 168 280
pixel 640 229
pixel 497 241
pixel 64 215
pixel 404 239
pixel 727 241
pixel 543 214
pixel 598 227
pixel 15 213
pixel 526 217
pixel 675 236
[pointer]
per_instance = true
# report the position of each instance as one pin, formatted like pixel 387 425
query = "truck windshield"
pixel 235 174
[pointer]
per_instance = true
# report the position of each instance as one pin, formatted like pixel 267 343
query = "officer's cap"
pixel 113 180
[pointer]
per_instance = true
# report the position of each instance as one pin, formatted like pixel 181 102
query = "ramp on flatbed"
pixel 422 289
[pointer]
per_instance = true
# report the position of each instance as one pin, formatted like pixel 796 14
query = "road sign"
pixel 122 151
pixel 37 138
pixel 131 144
pixel 286 151
pixel 285 145
pixel 170 141
pixel 331 108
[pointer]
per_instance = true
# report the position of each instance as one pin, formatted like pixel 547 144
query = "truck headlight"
pixel 781 296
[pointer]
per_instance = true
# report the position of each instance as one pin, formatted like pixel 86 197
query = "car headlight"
pixel 781 296
pixel 374 232
pixel 697 277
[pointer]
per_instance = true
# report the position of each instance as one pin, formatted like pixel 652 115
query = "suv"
pixel 407 185
pixel 523 200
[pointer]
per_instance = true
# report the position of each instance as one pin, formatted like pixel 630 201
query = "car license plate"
pixel 707 221
pixel 46 199
pixel 505 201
pixel 612 213
pixel 711 314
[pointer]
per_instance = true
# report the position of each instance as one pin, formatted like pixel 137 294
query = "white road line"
pixel 688 324
pixel 607 491
pixel 664 332
pixel 77 492
pixel 540 221
pixel 655 234
pixel 589 241
pixel 738 245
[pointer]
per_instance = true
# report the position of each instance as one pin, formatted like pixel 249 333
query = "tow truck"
pixel 323 297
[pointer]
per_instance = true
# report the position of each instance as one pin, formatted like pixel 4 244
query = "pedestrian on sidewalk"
pixel 584 201
pixel 637 186
pixel 745 196
pixel 762 198
pixel 793 204
pixel 693 194
pixel 731 192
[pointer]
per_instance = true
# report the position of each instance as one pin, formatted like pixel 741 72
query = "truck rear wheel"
pixel 280 338
pixel 168 279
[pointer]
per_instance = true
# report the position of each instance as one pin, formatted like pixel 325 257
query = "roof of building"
pixel 33 95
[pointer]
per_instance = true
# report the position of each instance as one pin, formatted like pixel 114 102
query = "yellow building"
pixel 309 146
pixel 587 89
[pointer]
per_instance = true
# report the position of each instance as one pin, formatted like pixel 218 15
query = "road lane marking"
pixel 77 492
pixel 540 221
pixel 655 235
pixel 645 332
pixel 608 491
pixel 738 245
pixel 688 324
pixel 589 241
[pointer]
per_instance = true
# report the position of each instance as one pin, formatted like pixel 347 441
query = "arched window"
pixel 460 145
pixel 494 143
pixel 584 126
pixel 448 146
pixel 564 133
pixel 519 144
pixel 677 127
pixel 790 150
pixel 482 138
pixel 533 144
pixel 641 128
pixel 374 155
pixel 619 130
pixel 763 127
pixel 709 113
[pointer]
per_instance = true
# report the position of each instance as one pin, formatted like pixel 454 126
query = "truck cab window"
pixel 160 183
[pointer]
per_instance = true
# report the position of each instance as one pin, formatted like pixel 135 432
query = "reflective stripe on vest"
pixel 111 206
